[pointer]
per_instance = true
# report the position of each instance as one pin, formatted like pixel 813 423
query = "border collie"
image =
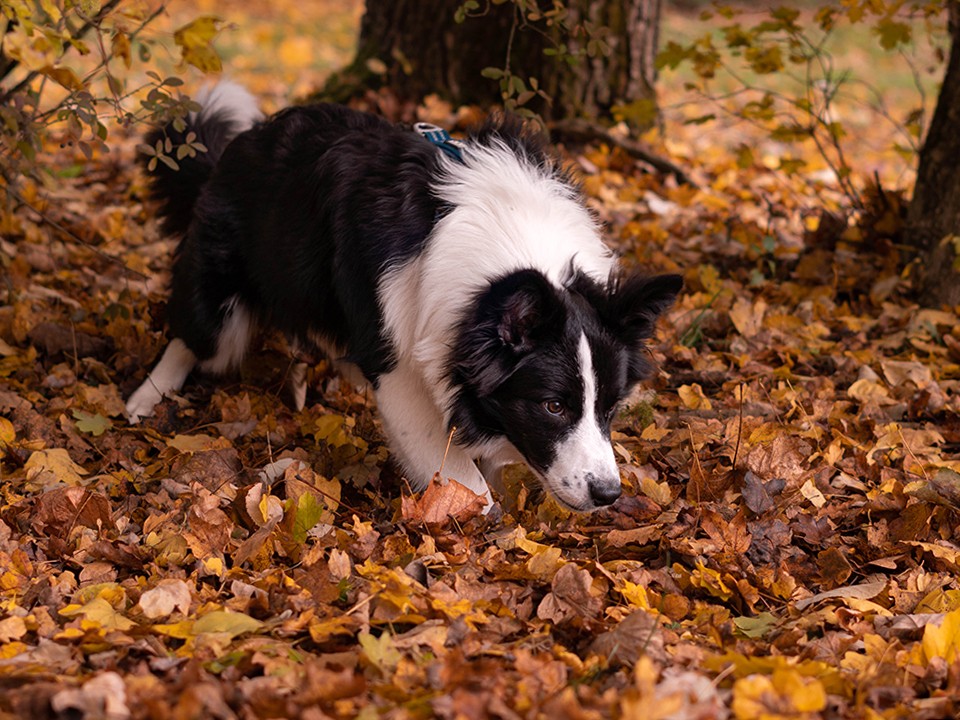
pixel 470 287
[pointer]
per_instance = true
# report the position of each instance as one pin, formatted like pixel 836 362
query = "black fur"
pixel 517 350
pixel 298 219
pixel 320 183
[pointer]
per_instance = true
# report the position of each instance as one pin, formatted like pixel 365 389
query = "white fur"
pixel 585 455
pixel 178 360
pixel 419 436
pixel 167 377
pixel 234 338
pixel 298 384
pixel 231 99
pixel 508 215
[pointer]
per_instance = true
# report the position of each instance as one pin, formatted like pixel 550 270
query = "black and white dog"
pixel 470 287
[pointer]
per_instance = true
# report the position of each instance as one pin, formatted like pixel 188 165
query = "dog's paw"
pixel 142 402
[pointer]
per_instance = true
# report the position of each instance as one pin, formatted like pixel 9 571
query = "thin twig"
pixel 585 130
pixel 446 450
pixel 736 450
pixel 84 29
pixel 60 228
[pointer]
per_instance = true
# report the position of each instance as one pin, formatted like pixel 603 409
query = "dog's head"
pixel 545 367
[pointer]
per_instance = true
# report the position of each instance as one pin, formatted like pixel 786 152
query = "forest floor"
pixel 788 542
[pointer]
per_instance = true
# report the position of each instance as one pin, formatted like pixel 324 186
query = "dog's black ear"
pixel 526 305
pixel 504 323
pixel 634 304
pixel 636 301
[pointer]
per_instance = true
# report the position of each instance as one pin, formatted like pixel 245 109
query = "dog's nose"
pixel 603 493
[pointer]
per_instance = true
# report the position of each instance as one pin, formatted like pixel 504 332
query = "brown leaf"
pixel 758 495
pixel 637 634
pixel 59 510
pixel 209 527
pixel 443 502
pixel 570 596
pixel 834 567
pixel 61 339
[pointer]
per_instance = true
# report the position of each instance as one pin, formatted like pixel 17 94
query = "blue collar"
pixel 441 138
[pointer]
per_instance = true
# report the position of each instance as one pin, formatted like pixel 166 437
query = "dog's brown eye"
pixel 554 407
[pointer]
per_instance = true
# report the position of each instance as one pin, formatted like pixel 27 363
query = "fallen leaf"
pixel 49 467
pixel 165 598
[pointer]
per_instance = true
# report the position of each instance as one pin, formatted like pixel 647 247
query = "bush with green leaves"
pixel 775 69
pixel 79 67
pixel 568 37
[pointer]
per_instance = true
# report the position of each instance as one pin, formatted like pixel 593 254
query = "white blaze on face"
pixel 585 456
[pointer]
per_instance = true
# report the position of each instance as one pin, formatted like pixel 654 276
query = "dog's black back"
pixel 285 222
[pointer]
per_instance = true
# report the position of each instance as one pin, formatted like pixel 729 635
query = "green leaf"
pixel 672 55
pixel 892 33
pixel 95 425
pixel 756 627
pixel 639 113
pixel 309 512
pixel 381 651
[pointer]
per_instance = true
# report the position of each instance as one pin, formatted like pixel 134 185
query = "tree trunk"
pixel 415 47
pixel 933 219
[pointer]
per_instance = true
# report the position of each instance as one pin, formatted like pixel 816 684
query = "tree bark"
pixel 416 48
pixel 933 219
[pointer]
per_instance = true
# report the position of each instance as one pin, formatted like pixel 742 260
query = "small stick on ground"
pixel 586 131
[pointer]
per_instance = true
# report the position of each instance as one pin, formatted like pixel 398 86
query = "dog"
pixel 466 280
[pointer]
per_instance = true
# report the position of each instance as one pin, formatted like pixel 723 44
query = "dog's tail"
pixel 227 109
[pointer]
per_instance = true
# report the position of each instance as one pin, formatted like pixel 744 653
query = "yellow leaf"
pixel 100 612
pixel 381 652
pixel 181 630
pixel 693 398
pixel 197 443
pixel 785 693
pixel 659 492
pixel 652 432
pixel 323 630
pixel 544 564
pixel 120 45
pixel 943 641
pixel 8 435
pixel 636 595
pixel 194 40
pixel 34 52
pixel 13 649
pixel 330 429
pixel 203 57
pixel 65 76
pixel 49 467
pixel 226 622
pixel 199 31
pixel 747 317
pixel 70 633
pixel 709 580
pixel 214 566
pixel 812 493
pixel 12 628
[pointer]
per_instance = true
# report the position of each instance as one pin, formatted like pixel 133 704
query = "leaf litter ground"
pixel 787 545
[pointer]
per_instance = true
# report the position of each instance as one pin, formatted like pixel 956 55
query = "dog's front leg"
pixel 167 377
pixel 418 437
